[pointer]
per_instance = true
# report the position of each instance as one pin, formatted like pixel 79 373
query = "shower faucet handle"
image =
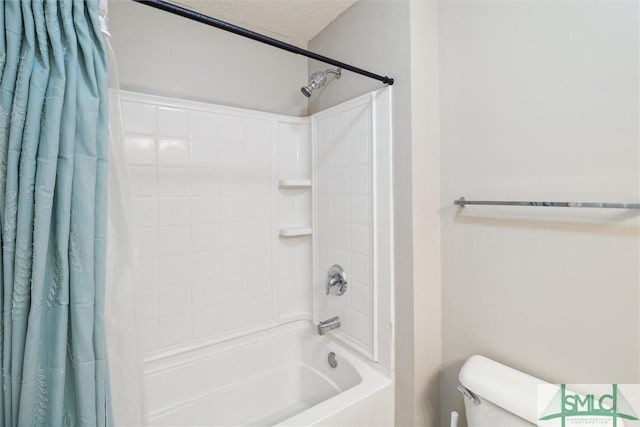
pixel 336 277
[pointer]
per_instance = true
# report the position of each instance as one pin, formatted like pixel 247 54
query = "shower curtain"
pixel 53 213
pixel 124 354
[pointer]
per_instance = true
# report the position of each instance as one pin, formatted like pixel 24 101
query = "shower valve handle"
pixel 336 278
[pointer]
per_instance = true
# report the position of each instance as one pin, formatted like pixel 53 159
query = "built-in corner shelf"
pixel 294 183
pixel 295 231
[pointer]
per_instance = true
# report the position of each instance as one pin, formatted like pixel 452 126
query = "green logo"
pixel 589 409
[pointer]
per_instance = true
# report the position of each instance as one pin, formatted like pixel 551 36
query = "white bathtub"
pixel 275 377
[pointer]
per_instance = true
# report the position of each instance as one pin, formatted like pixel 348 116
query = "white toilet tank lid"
pixel 508 388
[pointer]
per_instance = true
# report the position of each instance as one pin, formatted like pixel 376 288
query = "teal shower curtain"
pixel 53 171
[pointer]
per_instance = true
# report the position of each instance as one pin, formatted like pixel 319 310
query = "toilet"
pixel 497 395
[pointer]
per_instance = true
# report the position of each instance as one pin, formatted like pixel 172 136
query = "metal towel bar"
pixel 462 202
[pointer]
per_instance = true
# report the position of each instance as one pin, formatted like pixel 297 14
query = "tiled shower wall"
pixel 217 192
pixel 344 200
pixel 205 196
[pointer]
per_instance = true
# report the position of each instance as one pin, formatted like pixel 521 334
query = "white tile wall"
pixel 344 206
pixel 204 188
pixel 207 209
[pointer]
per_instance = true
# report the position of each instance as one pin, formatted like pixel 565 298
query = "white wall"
pixel 539 101
pixel 345 221
pixel 375 35
pixel 425 128
pixel 204 190
pixel 164 54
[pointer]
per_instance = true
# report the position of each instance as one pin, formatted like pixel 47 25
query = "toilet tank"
pixel 507 397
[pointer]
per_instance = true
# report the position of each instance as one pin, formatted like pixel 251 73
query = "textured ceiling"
pixel 293 21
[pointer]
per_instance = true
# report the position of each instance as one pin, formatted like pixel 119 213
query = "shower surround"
pixel 235 210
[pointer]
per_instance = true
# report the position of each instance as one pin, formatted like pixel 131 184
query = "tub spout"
pixel 328 325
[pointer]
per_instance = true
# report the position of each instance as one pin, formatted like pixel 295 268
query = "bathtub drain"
pixel 332 359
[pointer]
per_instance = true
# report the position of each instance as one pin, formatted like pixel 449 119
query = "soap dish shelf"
pixel 294 183
pixel 295 231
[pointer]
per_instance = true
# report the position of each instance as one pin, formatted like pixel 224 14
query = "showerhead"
pixel 318 80
pixel 307 91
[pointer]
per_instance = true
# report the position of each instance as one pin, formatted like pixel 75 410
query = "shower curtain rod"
pixel 213 22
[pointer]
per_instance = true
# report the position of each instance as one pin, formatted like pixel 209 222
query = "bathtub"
pixel 278 377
